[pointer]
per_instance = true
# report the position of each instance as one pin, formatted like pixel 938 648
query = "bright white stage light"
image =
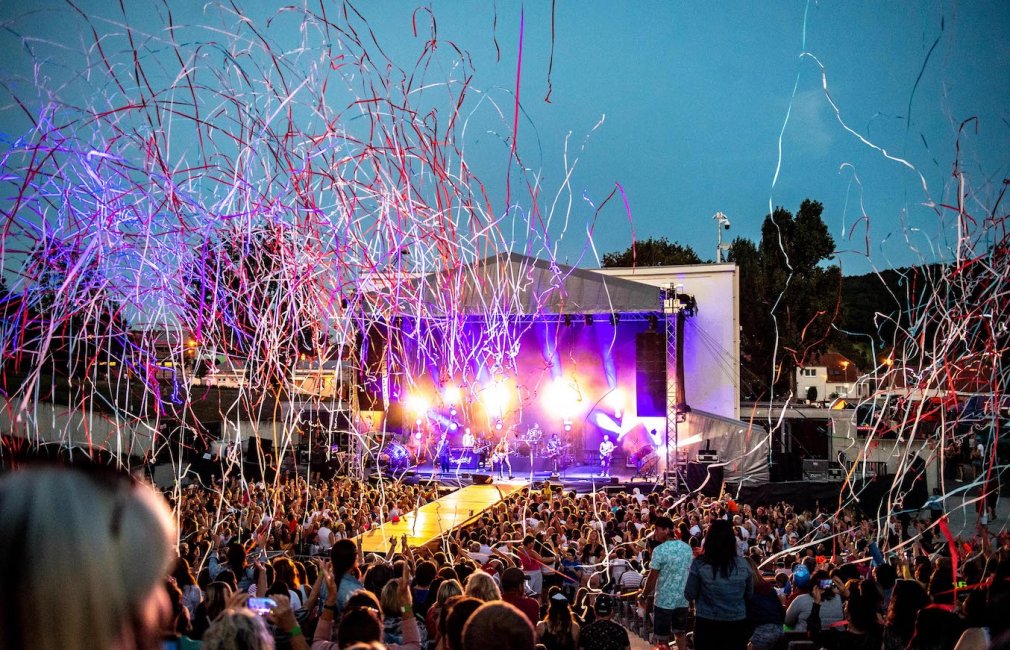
pixel 451 394
pixel 418 404
pixel 563 397
pixel 496 398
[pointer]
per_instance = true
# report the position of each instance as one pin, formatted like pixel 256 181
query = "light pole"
pixel 722 223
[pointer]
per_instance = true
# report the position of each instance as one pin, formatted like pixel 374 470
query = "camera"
pixel 725 225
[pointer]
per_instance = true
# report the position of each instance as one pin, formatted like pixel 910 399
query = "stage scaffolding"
pixel 677 307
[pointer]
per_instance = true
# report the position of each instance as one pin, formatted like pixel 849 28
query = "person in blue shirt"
pixel 720 583
pixel 668 571
pixel 344 558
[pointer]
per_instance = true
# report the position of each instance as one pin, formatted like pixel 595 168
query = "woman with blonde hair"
pixel 481 585
pixel 236 629
pixel 396 607
pixel 446 590
pixel 90 548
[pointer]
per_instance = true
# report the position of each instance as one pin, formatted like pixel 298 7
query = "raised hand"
pixel 282 615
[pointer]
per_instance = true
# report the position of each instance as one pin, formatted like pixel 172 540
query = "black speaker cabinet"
pixel 697 473
pixel 650 374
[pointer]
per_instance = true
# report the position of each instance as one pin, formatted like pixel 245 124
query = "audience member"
pixel 83 558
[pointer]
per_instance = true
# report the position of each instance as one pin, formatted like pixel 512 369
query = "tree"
pixel 788 299
pixel 247 296
pixel 652 252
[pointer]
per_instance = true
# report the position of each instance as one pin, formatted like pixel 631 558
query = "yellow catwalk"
pixel 439 517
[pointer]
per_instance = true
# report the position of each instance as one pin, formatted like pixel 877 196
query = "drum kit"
pixel 646 460
pixel 395 457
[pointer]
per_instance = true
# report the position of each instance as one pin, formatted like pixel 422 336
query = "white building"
pixel 712 336
pixel 830 375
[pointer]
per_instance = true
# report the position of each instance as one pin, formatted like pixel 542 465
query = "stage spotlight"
pixel 568 320
pixel 568 426
pixel 498 425
pixel 418 404
pixel 417 421
pixel 451 394
pixel 496 398
pixel 589 319
pixel 452 412
pixel 418 436
pixel 653 322
pixel 563 396
pixel 615 318
pixel 453 426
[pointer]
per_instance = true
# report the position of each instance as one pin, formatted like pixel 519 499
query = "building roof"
pixel 510 284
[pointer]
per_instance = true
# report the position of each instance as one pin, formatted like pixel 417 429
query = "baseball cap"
pixel 512 578
pixel 604 605
pixel 801 577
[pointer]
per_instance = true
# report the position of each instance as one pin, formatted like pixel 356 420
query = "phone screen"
pixel 262 606
pixel 827 584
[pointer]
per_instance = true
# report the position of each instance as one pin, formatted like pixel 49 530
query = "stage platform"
pixel 620 473
pixel 440 516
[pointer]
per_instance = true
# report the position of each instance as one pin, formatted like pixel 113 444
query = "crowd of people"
pixel 239 565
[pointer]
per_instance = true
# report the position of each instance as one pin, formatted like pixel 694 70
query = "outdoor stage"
pixel 440 516
pixel 580 478
pixel 523 472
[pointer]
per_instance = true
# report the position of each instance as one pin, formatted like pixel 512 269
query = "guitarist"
pixel 500 457
pixel 606 455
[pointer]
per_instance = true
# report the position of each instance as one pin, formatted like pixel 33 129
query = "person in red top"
pixel 532 563
pixel 513 586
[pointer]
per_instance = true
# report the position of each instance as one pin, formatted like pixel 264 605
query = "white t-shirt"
pixel 479 558
pixel 323 538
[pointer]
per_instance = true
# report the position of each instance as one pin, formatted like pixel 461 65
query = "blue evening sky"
pixel 694 97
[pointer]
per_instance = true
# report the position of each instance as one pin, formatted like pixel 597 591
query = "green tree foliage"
pixel 789 298
pixel 652 252
pixel 247 298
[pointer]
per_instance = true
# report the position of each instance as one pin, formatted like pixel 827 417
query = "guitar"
pixel 501 452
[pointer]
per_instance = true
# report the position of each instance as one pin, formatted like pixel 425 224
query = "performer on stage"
pixel 468 440
pixel 482 448
pixel 500 457
pixel 606 455
pixel 554 451
pixel 443 455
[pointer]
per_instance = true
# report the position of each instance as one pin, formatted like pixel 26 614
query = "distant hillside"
pixel 874 302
